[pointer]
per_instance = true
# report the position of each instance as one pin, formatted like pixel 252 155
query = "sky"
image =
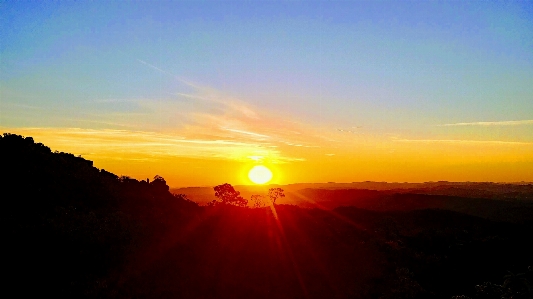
pixel 318 91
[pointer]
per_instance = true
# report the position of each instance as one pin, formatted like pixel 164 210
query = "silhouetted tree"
pixel 229 196
pixel 275 193
pixel 159 184
pixel 258 201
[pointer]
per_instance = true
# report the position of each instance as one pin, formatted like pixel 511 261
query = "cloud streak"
pixel 186 82
pixel 143 145
pixel 261 136
pixel 460 141
pixel 206 124
pixel 491 123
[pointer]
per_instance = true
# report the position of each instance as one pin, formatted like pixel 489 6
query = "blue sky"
pixel 404 69
pixel 458 61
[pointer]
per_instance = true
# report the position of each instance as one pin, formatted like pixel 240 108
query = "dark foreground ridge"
pixel 71 230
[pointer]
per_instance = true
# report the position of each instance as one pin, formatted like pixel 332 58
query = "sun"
pixel 259 174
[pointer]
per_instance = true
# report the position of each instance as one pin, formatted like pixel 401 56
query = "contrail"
pixel 168 73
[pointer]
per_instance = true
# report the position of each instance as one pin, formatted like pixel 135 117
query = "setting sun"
pixel 260 174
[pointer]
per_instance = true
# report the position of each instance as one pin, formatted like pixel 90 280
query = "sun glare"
pixel 259 174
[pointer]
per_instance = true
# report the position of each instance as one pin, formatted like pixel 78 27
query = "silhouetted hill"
pixel 494 209
pixel 498 204
pixel 488 190
pixel 438 253
pixel 66 224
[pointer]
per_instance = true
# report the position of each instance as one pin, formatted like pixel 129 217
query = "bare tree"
pixel 275 193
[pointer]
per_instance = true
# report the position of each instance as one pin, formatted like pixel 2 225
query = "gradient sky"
pixel 200 91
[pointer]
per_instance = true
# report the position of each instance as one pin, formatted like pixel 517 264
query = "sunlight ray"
pixel 289 249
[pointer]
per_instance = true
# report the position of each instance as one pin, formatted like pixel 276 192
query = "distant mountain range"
pixel 484 199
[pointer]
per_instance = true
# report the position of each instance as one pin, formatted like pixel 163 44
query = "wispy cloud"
pixel 157 69
pixel 114 100
pixel 101 122
pixel 208 94
pixel 227 114
pixel 142 145
pixel 23 106
pixel 261 136
pixel 460 141
pixel 491 123
pixel 182 80
pixel 209 124
pixel 150 65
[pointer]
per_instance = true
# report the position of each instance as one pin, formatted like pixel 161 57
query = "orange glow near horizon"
pixel 209 161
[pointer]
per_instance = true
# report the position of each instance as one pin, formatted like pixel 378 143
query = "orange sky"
pixel 201 156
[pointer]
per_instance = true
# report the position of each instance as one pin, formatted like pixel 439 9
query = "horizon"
pixel 200 93
pixel 362 182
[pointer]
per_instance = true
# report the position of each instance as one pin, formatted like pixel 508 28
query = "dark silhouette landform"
pixel 485 199
pixel 71 230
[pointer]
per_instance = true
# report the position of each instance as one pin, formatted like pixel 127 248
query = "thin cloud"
pixel 114 100
pixel 213 114
pixel 491 123
pixel 207 94
pixel 247 133
pixel 460 141
pixel 190 96
pixel 156 68
pixel 186 82
pixel 24 106
pixel 150 145
pixel 101 122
